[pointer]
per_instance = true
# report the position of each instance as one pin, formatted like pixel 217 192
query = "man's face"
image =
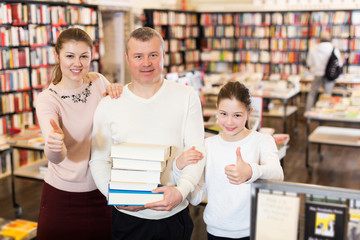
pixel 145 60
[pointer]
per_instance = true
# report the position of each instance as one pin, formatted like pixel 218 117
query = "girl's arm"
pixel 269 165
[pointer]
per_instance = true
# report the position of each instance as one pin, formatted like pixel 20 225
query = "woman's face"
pixel 74 59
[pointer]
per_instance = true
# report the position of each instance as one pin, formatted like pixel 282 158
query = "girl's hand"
pixel 114 90
pixel 239 172
pixel 191 156
pixel 55 139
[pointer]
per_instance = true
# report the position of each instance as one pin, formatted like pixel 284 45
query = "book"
pixel 353 230
pixel 325 220
pixel 133 186
pixel 277 217
pixel 150 152
pixel 133 164
pixel 20 229
pixel 121 175
pixel 132 198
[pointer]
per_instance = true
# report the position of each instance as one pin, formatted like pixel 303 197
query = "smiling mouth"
pixel 147 71
pixel 230 129
pixel 75 70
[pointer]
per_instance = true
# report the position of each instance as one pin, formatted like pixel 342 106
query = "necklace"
pixel 76 98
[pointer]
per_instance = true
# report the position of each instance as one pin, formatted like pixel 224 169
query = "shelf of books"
pixel 180 31
pixel 335 22
pixel 289 41
pixel 354 56
pixel 304 211
pixel 28 32
pixel 272 42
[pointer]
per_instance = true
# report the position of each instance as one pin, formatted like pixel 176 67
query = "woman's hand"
pixel 114 90
pixel 55 140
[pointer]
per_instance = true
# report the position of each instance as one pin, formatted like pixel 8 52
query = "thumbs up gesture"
pixel 239 172
pixel 55 139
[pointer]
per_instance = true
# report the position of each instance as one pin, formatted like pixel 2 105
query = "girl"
pixel 71 206
pixel 235 158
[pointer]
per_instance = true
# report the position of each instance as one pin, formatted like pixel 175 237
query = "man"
pixel 151 110
pixel 317 60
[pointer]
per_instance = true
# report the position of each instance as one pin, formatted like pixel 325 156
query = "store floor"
pixel 340 168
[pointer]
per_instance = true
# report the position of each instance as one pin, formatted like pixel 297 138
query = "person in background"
pixel 235 158
pixel 71 206
pixel 317 60
pixel 151 110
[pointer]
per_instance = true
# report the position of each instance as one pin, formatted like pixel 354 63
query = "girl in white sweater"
pixel 235 158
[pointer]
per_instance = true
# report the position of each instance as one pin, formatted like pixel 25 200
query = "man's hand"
pixel 172 198
pixel 55 139
pixel 239 172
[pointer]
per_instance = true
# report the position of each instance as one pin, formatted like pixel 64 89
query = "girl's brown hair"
pixel 70 34
pixel 235 90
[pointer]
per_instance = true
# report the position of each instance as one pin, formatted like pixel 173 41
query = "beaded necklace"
pixel 76 98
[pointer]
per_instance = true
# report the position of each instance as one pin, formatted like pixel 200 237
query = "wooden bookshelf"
pixel 180 30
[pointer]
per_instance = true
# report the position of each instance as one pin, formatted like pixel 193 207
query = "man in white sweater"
pixel 151 110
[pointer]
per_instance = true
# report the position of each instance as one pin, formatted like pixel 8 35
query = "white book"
pixel 132 186
pixel 120 175
pixel 134 164
pixel 140 151
pixel 133 198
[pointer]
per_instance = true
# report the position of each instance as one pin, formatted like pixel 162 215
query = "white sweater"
pixel 319 55
pixel 172 116
pixel 227 213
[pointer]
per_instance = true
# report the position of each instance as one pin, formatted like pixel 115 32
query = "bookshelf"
pixel 28 32
pixel 354 40
pixel 180 30
pixel 337 23
pixel 289 41
pixel 267 42
pixel 276 41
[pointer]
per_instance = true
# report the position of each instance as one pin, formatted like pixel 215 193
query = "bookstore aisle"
pixel 339 168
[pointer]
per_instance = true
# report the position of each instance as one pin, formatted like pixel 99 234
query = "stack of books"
pixel 136 172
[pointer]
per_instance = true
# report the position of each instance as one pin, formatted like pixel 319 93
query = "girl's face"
pixel 232 117
pixel 74 59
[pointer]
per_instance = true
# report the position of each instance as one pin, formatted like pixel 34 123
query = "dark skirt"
pixel 73 215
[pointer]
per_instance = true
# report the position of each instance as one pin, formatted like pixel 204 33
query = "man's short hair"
pixel 144 34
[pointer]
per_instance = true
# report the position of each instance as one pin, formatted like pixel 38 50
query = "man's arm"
pixel 100 162
pixel 193 136
pixel 193 133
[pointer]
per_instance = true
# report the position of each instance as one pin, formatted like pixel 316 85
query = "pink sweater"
pixel 73 110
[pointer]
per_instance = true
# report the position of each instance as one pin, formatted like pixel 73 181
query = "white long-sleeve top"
pixel 227 213
pixel 172 116
pixel 319 55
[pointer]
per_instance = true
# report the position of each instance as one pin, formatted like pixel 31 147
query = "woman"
pixel 71 206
